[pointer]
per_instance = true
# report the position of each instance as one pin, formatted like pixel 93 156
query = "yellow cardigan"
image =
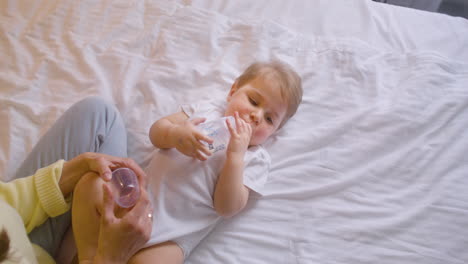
pixel 26 203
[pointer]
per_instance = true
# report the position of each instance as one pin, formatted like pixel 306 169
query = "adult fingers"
pixel 102 167
pixel 103 164
pixel 142 221
pixel 142 211
pixel 143 204
pixel 111 162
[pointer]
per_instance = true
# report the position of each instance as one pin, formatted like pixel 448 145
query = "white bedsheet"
pixel 372 169
pixel 386 27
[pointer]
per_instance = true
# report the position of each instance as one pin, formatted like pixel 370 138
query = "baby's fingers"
pixel 200 156
pixel 204 150
pixel 240 123
pixel 249 129
pixel 232 130
pixel 196 149
pixel 200 146
pixel 200 136
pixel 197 121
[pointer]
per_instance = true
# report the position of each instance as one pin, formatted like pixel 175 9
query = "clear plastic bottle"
pixel 218 131
pixel 125 187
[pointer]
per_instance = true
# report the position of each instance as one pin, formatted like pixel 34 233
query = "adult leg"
pixel 91 125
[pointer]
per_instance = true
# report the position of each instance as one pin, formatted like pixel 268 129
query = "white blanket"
pixel 372 169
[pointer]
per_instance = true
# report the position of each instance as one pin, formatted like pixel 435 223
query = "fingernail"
pixel 107 175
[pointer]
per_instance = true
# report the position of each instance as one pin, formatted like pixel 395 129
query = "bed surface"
pixel 386 27
pixel 372 169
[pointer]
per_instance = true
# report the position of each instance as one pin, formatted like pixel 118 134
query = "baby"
pixel 192 187
pixel 196 187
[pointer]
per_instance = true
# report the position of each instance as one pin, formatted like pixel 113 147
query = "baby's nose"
pixel 254 117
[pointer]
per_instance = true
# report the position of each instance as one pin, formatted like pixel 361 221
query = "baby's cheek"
pixel 260 135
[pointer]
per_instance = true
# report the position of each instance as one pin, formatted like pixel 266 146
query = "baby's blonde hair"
pixel 288 81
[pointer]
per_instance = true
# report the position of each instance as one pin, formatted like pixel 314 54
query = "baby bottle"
pixel 125 187
pixel 218 131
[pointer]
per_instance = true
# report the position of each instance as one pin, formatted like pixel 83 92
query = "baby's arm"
pixel 231 195
pixel 161 132
pixel 178 131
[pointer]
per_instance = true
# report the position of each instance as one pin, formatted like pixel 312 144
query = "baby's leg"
pixel 167 252
pixel 87 198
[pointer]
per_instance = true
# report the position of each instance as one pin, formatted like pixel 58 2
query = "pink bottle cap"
pixel 125 187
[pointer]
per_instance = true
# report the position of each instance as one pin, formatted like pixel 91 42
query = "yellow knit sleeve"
pixel 36 197
pixel 48 190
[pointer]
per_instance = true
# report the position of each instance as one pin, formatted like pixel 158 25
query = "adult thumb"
pixel 108 204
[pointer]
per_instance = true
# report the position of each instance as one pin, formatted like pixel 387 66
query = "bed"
pixel 372 169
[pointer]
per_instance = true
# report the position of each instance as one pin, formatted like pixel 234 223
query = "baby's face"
pixel 260 105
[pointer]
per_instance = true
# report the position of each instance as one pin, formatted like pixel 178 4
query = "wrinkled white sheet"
pixel 372 169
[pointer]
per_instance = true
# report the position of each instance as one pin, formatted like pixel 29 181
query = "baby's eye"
pixel 269 120
pixel 253 102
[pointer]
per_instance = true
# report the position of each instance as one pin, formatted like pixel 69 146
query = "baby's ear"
pixel 234 88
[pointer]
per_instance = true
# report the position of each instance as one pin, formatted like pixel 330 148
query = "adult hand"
pixel 101 164
pixel 121 237
pixel 188 139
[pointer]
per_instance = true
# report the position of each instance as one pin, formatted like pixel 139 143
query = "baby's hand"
pixel 188 139
pixel 240 136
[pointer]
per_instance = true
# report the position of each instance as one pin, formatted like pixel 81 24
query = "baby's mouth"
pixel 247 120
pixel 250 123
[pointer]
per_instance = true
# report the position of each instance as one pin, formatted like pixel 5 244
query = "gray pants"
pixel 91 125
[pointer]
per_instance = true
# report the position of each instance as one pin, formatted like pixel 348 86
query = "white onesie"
pixel 183 209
